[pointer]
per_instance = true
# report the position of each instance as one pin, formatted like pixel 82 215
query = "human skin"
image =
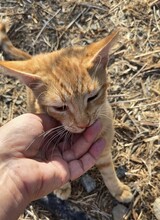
pixel 25 176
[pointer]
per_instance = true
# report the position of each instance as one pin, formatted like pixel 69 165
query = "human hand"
pixel 27 174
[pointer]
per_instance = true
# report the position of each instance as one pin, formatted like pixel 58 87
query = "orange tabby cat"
pixel 70 85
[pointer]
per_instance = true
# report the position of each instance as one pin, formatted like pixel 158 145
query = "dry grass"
pixel 134 93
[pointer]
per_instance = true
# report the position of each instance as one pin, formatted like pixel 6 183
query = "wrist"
pixel 13 198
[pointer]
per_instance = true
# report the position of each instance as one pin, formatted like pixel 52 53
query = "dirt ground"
pixel 134 93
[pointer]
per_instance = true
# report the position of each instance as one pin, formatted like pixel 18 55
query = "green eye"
pixel 93 97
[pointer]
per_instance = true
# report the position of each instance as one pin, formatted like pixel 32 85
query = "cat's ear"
pixel 97 54
pixel 22 70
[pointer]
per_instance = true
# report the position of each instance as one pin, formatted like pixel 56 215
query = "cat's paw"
pixel 125 194
pixel 64 192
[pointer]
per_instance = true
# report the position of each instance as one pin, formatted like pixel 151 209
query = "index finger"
pixel 84 142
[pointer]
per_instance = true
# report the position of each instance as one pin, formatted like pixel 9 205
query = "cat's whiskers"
pixel 105 116
pixel 44 134
pixel 53 129
pixel 66 138
pixel 61 137
pixel 41 94
pixel 34 83
pixel 46 146
pixel 101 112
pixel 56 133
pixel 50 139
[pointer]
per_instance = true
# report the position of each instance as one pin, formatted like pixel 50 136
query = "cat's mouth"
pixel 78 129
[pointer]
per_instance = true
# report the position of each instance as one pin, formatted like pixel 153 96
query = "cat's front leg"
pixel 64 192
pixel 119 190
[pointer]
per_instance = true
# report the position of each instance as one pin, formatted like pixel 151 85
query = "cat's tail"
pixel 6 45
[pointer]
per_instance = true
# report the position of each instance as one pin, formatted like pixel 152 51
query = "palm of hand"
pixel 28 171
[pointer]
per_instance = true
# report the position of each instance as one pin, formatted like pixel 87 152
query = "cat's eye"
pixel 60 108
pixel 91 98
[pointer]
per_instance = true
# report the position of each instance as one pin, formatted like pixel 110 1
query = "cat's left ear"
pixel 22 70
pixel 97 54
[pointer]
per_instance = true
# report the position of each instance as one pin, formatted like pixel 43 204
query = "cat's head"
pixel 70 84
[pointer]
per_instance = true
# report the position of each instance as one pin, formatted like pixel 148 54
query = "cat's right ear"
pixel 22 70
